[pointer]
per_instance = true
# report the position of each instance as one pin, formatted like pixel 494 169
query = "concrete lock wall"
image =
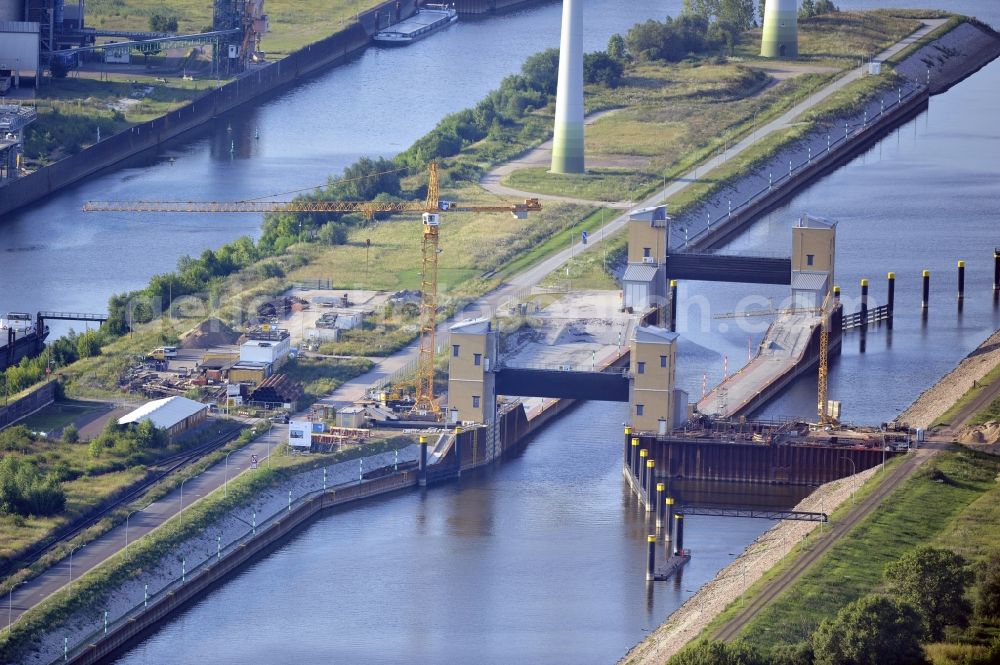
pixel 758 463
pixel 148 135
pixel 33 401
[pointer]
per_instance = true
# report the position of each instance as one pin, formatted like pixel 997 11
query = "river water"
pixel 539 559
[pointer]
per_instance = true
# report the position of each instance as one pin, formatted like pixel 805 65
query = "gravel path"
pixel 728 585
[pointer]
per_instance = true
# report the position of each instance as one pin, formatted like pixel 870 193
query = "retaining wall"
pixel 148 135
pixel 757 462
pixel 38 398
pixel 199 581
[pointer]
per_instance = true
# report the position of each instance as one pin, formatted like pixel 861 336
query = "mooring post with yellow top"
pixel 650 558
pixel 926 299
pixel 961 281
pixel 640 472
pixel 679 534
pixel 890 300
pixel 864 305
pixel 996 274
pixel 661 504
pixel 422 479
pixel 670 519
pixel 650 464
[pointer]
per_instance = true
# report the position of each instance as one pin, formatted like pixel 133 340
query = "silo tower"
pixel 567 141
pixel 780 37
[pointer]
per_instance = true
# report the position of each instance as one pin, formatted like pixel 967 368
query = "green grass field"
pixel 951 502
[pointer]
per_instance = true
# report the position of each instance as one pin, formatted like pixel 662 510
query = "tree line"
pixel 925 593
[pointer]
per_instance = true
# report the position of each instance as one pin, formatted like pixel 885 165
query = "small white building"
pixel 173 414
pixel 270 347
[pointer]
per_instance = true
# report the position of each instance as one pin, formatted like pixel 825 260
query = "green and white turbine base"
pixel 567 139
pixel 780 38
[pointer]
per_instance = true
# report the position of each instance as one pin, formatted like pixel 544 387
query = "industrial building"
pixel 175 414
pixel 19 50
pixel 270 346
pixel 34 34
pixel 13 120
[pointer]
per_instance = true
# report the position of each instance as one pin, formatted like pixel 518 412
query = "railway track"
pixel 731 629
pixel 154 474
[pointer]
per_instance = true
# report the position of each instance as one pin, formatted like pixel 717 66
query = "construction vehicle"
pixel 163 353
pixel 430 210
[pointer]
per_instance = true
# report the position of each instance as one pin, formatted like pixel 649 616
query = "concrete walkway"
pixel 542 155
pixel 94 553
pixel 142 522
pixel 782 349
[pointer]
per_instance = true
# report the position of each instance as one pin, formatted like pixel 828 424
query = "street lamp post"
pixel 10 600
pixel 753 138
pixel 71 563
pixel 269 426
pixel 853 472
pixel 226 484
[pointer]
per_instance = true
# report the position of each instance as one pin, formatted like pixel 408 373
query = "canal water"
pixel 922 198
pixel 540 558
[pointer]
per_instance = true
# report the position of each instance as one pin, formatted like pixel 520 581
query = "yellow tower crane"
pixel 822 405
pixel 430 209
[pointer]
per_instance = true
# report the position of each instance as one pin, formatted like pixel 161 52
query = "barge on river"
pixel 426 21
pixel 19 338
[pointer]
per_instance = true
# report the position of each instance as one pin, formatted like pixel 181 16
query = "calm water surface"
pixel 539 559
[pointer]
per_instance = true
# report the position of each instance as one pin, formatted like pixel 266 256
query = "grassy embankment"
pixel 91 590
pixel 951 502
pixel 71 109
pixel 854 34
pixel 696 108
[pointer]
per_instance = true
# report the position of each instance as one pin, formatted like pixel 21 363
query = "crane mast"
pixel 430 210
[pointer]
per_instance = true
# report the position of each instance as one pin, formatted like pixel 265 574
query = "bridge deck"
pixel 783 349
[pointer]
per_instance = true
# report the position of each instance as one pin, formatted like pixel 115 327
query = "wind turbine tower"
pixel 567 142
pixel 781 32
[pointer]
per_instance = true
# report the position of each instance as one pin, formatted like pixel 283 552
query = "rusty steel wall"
pixel 758 462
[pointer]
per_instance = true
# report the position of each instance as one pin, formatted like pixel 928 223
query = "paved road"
pixel 141 522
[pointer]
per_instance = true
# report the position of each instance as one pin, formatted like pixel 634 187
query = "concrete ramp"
pixel 789 348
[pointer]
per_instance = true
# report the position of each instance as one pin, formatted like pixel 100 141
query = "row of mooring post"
pixel 655 495
pixel 678 544
pixel 925 295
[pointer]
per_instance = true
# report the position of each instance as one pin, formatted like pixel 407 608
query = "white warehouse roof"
pixel 164 413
